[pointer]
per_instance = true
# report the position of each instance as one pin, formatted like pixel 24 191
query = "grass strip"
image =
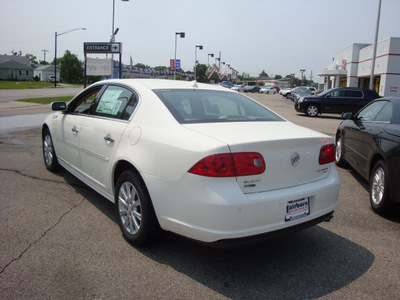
pixel 46 100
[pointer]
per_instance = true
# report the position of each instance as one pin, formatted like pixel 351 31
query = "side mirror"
pixel 347 116
pixel 56 106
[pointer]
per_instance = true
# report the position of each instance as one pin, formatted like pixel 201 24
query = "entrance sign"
pixel 102 48
pixel 95 66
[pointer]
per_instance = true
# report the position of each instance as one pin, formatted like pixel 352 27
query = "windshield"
pixel 207 106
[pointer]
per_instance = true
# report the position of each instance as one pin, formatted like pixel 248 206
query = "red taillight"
pixel 229 165
pixel 327 154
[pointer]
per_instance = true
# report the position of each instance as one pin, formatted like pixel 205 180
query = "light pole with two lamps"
pixel 182 35
pixel 55 52
pixel 195 59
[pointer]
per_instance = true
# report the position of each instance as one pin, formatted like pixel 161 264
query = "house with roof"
pixel 15 68
pixel 45 71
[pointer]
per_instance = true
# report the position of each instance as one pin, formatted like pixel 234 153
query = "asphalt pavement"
pixel 60 240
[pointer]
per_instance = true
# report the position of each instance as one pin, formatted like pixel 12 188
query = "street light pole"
pixel 55 51
pixel 112 40
pixel 195 59
pixel 302 76
pixel 212 55
pixel 371 80
pixel 182 35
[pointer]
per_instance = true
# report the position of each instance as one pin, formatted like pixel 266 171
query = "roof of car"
pixel 164 84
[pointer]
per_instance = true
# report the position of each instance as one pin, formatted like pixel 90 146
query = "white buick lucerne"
pixel 198 160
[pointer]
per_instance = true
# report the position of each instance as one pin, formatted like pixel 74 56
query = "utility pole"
pixel 44 54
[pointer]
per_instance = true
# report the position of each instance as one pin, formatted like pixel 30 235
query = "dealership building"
pixel 351 67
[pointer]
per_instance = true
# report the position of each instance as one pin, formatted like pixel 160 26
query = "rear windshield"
pixel 206 106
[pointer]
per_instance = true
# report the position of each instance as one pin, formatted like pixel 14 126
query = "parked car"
pixel 370 142
pixel 312 89
pixel 277 88
pixel 298 93
pixel 267 90
pixel 247 88
pixel 195 159
pixel 253 89
pixel 51 78
pixel 238 88
pixel 285 92
pixel 337 100
pixel 226 84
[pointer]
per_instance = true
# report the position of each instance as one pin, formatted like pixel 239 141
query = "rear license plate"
pixel 296 209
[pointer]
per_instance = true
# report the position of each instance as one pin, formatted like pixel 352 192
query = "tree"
pixel 263 74
pixel 201 72
pixel 15 53
pixel 278 77
pixel 32 58
pixel 161 68
pixel 143 66
pixel 70 68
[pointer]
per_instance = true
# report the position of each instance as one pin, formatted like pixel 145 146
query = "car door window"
pixel 337 93
pixel 385 115
pixel 116 102
pixel 371 111
pixel 83 103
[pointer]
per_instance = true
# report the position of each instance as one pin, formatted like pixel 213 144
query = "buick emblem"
pixel 295 159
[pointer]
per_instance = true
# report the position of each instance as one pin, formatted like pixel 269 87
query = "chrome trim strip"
pixel 95 154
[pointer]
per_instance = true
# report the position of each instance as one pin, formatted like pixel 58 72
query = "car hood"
pixel 278 143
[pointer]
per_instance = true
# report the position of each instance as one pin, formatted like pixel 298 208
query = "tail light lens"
pixel 230 165
pixel 327 154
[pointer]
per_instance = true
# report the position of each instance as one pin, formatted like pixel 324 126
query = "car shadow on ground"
pixel 324 116
pixel 393 215
pixel 306 264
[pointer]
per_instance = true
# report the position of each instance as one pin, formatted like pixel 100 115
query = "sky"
pixel 277 36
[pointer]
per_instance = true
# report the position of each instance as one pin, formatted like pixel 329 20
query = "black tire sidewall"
pixel 54 166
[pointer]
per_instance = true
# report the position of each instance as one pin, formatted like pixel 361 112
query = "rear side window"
pixel 353 94
pixel 205 106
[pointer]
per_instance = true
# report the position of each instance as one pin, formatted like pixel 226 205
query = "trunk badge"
pixel 295 159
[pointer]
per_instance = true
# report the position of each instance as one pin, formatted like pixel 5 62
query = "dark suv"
pixel 337 101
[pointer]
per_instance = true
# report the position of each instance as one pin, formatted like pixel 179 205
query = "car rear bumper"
pixel 211 210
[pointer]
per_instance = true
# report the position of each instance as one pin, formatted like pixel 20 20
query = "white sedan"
pixel 199 160
pixel 268 90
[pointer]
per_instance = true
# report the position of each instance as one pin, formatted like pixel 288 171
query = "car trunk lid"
pixel 291 153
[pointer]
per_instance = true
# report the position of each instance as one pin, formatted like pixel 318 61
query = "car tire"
pixel 312 110
pixel 49 154
pixel 379 188
pixel 135 212
pixel 339 159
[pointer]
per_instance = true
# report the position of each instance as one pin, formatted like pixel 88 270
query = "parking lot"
pixel 59 239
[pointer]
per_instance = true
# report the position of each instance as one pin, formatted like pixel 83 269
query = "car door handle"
pixel 108 138
pixel 75 130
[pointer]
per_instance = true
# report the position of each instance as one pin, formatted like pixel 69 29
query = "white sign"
pixel 97 67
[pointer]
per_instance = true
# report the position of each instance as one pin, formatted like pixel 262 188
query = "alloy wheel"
pixel 129 206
